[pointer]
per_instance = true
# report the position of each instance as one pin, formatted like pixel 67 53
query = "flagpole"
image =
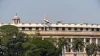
pixel 44 25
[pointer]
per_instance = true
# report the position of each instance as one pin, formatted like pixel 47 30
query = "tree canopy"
pixel 39 47
pixel 9 29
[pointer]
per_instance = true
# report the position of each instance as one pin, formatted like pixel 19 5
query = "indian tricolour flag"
pixel 46 20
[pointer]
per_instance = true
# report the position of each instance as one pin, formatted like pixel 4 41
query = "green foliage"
pixel 32 53
pixel 23 46
pixel 14 46
pixel 4 40
pixel 78 44
pixel 9 29
pixel 92 49
pixel 30 47
pixel 7 32
pixel 59 43
pixel 38 47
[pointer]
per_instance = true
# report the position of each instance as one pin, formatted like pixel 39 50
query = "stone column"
pixel 71 44
pixel 94 29
pixel 64 49
pixel 85 45
pixel 90 40
pixel 33 28
pixel 26 28
pixel 47 29
pixel 60 29
pixel 89 29
pixel 40 29
pixel 72 29
pixel 57 42
pixel 20 29
pixel 54 29
pixel 42 38
pixel 66 29
pixel 78 29
pixel 84 29
pixel 96 40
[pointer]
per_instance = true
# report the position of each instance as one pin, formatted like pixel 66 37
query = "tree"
pixel 88 50
pixel 77 45
pixel 38 47
pixel 9 29
pixel 59 44
pixel 14 46
pixel 30 49
pixel 1 49
pixel 7 32
pixel 98 48
pixel 92 49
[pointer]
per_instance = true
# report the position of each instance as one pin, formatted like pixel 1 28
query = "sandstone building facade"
pixel 88 32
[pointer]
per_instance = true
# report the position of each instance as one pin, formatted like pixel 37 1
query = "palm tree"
pixel 87 48
pixel 92 49
pixel 98 48
pixel 59 43
pixel 77 45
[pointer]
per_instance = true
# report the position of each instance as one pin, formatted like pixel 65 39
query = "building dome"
pixel 16 17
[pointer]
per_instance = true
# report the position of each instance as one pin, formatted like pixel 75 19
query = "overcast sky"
pixel 68 11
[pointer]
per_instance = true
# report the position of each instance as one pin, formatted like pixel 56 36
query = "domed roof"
pixel 16 17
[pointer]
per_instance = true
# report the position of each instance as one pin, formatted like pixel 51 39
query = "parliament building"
pixel 88 32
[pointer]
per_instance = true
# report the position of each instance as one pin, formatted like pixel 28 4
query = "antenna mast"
pixel 16 14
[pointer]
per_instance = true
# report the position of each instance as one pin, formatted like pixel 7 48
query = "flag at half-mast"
pixel 46 20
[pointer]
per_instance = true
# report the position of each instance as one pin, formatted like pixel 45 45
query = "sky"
pixel 67 11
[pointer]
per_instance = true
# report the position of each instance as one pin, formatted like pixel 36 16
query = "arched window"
pixel 37 28
pixel 87 29
pixel 63 28
pixel 69 28
pixel 92 29
pixel 97 29
pixel 75 29
pixel 42 28
pixel 81 29
pixel 30 28
pixel 23 28
pixel 57 29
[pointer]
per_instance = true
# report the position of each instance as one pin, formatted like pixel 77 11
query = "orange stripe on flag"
pixel 46 18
